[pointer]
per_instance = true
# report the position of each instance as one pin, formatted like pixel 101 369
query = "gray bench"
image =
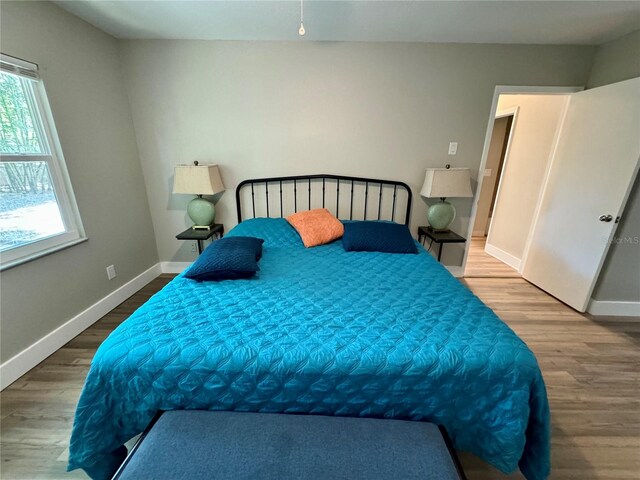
pixel 195 445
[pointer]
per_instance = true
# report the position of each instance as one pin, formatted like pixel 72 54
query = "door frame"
pixel 499 90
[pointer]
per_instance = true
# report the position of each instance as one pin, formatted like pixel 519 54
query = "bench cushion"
pixel 232 445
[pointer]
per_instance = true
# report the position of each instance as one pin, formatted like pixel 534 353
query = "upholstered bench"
pixel 195 445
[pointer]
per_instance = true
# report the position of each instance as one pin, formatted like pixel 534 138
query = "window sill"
pixel 42 253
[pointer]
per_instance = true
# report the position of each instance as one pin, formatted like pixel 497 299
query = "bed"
pixel 320 331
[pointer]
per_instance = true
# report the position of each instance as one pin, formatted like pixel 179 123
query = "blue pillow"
pixel 229 258
pixel 378 237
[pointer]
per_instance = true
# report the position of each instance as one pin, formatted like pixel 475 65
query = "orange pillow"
pixel 316 227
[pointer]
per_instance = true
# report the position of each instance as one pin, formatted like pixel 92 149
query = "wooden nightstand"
pixel 439 237
pixel 201 235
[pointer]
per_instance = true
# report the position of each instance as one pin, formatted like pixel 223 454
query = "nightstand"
pixel 201 235
pixel 439 237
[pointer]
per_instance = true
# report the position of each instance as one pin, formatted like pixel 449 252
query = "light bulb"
pixel 302 31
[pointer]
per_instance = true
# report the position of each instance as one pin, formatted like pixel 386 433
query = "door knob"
pixel 605 218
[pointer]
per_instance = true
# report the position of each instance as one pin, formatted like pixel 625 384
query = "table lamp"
pixel 199 180
pixel 443 183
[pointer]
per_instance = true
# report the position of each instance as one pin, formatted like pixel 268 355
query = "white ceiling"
pixel 527 22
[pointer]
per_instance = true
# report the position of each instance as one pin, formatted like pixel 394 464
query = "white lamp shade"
pixel 446 182
pixel 197 180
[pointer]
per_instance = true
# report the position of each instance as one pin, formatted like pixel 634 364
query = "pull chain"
pixel 301 31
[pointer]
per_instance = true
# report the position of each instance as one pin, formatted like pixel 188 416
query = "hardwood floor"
pixel 37 410
pixel 481 264
pixel 591 367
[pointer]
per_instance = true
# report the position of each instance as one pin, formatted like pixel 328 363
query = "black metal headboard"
pixel 362 198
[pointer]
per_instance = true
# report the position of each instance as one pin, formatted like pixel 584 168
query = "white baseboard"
pixel 174 267
pixel 31 356
pixel 503 256
pixel 455 271
pixel 619 309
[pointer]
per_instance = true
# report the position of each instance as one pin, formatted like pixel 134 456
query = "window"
pixel 38 213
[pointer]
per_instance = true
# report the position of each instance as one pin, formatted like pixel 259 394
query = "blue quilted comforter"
pixel 326 332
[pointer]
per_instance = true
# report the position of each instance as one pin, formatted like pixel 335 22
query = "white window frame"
pixel 52 155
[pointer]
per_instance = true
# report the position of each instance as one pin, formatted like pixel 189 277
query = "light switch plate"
pixel 453 148
pixel 111 272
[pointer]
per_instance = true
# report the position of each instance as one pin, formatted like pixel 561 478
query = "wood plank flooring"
pixel 591 367
pixel 481 264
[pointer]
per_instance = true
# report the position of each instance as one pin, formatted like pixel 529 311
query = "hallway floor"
pixel 481 264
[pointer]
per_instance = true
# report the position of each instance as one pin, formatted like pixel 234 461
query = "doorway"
pixel 519 145
pixel 558 232
pixel 492 173
pixel 480 263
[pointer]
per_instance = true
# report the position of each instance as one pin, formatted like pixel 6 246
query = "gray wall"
pixel 620 278
pixel 82 74
pixel 384 110
pixel 616 61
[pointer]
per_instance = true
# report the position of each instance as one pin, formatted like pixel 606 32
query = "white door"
pixel 589 180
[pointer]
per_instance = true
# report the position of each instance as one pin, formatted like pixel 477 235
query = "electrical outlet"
pixel 194 246
pixel 453 148
pixel 111 272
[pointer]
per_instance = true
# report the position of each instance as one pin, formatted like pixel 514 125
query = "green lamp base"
pixel 440 215
pixel 202 212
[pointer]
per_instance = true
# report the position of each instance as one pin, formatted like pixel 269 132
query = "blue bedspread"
pixel 326 332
